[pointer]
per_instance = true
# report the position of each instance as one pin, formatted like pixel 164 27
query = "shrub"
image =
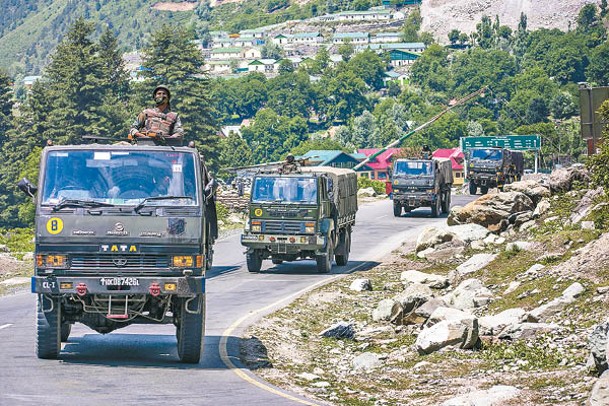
pixel 377 185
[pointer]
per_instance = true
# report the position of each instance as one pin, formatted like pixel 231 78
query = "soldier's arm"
pixel 178 131
pixel 138 124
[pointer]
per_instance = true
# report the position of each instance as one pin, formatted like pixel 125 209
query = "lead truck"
pixel 307 214
pixel 124 235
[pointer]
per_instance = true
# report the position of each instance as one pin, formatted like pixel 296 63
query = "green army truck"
pixel 124 234
pixel 307 214
pixel 421 183
pixel 493 167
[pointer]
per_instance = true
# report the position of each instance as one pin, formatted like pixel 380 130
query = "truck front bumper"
pixel 414 199
pixel 119 285
pixel 283 244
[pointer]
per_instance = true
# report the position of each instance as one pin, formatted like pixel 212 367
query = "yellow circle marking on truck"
pixel 54 225
pixel 258 212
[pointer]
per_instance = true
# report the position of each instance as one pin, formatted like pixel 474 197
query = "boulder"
pixel 530 187
pixel 360 285
pixel 383 310
pixel 585 205
pixel 496 395
pixel 447 313
pixel 366 361
pixel 427 308
pixel 561 180
pixel 475 263
pixel 526 330
pixel 493 325
pixel 443 252
pixel 542 208
pixel 462 333
pixel 432 236
pixel 469 294
pixel 600 391
pixel 339 330
pixel 597 342
pixel 366 192
pixel 469 232
pixel 491 210
pixel 431 280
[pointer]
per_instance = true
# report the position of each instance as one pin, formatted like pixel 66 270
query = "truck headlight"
pixel 52 261
pixel 309 228
pixel 183 261
pixel 256 226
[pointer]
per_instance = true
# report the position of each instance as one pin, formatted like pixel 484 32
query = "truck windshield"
pixel 486 153
pixel 285 189
pixel 119 177
pixel 416 168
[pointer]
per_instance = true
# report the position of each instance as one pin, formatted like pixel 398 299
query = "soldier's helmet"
pixel 289 158
pixel 162 87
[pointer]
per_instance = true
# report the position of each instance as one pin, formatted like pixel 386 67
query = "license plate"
pixel 119 281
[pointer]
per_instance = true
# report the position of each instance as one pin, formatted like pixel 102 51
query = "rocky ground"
pixel 464 316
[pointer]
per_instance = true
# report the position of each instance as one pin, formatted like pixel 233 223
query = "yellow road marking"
pixel 229 331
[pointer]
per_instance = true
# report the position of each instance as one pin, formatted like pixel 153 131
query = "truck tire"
pixel 190 329
pixel 446 202
pixel 324 261
pixel 345 241
pixel 484 189
pixel 48 328
pixel 397 209
pixel 66 329
pixel 436 207
pixel 472 187
pixel 253 261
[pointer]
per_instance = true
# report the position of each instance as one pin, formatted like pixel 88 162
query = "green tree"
pixel 346 50
pixel 291 93
pixel 317 144
pixel 322 60
pixel 453 36
pixel 234 152
pixel 597 71
pixel 172 58
pixel 271 136
pixel 270 50
pixel 342 95
pixel 369 67
pixel 412 25
pixel 6 106
pixel 431 70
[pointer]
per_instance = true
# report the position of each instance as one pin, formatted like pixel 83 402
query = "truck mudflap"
pixel 283 244
pixel 119 285
pixel 414 200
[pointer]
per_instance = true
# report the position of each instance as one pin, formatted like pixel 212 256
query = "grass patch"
pixel 18 240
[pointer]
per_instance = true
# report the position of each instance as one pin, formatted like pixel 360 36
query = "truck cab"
pixel 493 167
pixel 123 234
pixel 422 183
pixel 303 215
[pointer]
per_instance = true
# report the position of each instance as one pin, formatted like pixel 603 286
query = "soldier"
pixel 426 153
pixel 289 165
pixel 159 121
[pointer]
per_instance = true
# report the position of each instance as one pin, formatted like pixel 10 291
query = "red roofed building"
pixel 456 157
pixel 381 164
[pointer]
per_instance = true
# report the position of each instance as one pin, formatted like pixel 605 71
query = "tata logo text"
pixel 118 248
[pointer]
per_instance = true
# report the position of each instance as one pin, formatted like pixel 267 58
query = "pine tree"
pixel 6 106
pixel 174 60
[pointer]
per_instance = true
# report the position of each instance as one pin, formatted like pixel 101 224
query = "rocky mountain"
pixel 442 16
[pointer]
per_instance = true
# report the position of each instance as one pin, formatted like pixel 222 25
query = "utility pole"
pixel 422 126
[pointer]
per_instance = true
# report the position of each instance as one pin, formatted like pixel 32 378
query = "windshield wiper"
pixel 80 203
pixel 156 198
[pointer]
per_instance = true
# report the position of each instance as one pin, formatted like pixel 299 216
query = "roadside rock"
pixel 600 391
pixel 531 188
pixel 340 330
pixel 366 361
pixel 585 205
pixel 561 180
pixel 447 314
pixel 493 396
pixel 383 310
pixel 469 232
pixel 432 236
pixel 526 330
pixel 475 263
pixel 493 325
pixel 463 333
pixel 597 342
pixel 431 280
pixel 359 285
pixel 469 294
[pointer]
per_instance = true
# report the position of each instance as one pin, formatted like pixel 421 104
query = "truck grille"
pixel 283 227
pixel 122 263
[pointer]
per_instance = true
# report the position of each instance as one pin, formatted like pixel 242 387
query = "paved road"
pixel 139 364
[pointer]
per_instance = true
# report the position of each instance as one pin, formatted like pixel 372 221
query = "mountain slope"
pixel 441 16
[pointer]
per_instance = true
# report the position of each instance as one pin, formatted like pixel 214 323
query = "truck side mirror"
pixel 27 187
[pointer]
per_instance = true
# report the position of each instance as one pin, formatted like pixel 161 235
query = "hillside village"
pixel 378 29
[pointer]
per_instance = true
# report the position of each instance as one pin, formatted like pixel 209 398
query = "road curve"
pixel 139 364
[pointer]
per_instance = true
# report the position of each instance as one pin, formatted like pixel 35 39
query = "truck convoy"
pixel 309 213
pixel 492 167
pixel 422 183
pixel 124 234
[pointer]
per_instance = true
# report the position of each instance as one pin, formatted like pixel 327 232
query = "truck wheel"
pixel 446 202
pixel 397 209
pixel 472 187
pixel 48 337
pixel 66 329
pixel 324 261
pixel 484 189
pixel 254 261
pixel 436 208
pixel 343 259
pixel 190 329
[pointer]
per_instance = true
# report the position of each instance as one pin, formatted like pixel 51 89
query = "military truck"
pixel 124 234
pixel 422 183
pixel 308 214
pixel 492 167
